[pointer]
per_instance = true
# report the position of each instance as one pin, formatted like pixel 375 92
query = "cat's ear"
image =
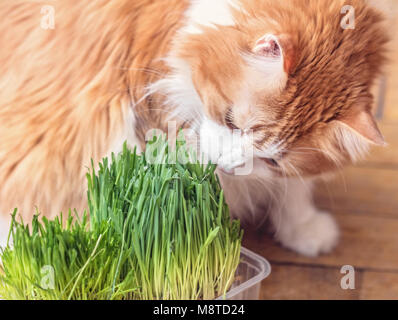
pixel 362 123
pixel 276 47
pixel 268 46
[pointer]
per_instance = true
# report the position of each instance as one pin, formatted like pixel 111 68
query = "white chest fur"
pixel 209 13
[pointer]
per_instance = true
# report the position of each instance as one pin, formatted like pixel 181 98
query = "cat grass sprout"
pixel 156 231
pixel 54 260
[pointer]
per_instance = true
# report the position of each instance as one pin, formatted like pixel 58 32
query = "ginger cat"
pixel 284 71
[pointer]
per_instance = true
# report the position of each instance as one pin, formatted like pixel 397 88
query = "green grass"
pixel 156 231
pixel 53 260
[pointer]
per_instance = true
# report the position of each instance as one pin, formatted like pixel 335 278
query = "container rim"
pixel 264 272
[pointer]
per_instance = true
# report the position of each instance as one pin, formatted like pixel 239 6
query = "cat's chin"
pixel 227 172
pixel 247 172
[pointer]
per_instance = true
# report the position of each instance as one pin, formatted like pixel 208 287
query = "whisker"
pixel 298 174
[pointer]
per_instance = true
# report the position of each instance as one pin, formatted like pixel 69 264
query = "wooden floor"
pixel 364 200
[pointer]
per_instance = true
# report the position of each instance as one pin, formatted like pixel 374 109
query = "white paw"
pixel 318 235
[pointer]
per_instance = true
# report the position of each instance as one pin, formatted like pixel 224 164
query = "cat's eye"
pixel 271 162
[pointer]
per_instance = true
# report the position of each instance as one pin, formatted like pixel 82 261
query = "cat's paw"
pixel 318 235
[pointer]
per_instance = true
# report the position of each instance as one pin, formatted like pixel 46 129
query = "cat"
pixel 285 73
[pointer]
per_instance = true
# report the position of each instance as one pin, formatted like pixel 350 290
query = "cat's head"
pixel 288 73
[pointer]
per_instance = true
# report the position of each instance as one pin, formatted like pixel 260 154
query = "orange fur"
pixel 331 73
pixel 65 92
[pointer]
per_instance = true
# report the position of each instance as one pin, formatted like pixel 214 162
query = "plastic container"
pixel 251 271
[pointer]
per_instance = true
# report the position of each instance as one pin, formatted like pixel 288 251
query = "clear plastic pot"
pixel 251 271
